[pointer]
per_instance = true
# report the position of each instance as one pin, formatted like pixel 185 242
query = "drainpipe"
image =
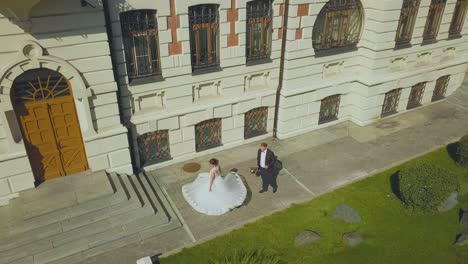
pixel 281 72
pixel 105 5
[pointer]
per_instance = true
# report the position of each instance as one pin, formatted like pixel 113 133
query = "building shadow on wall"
pixel 35 157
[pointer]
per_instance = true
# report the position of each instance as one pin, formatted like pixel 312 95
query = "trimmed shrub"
pixel 255 257
pixel 425 186
pixel 462 151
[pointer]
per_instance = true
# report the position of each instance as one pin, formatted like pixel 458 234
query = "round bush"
pixel 462 151
pixel 425 186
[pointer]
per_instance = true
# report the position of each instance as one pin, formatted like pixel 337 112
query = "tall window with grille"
pixel 433 20
pixel 440 88
pixel 408 15
pixel 391 100
pixel 338 25
pixel 204 36
pixel 154 147
pixel 416 95
pixel 255 122
pixel 259 29
pixel 208 134
pixel 458 19
pixel 329 109
pixel 141 45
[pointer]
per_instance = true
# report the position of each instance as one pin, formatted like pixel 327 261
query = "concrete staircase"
pixel 134 209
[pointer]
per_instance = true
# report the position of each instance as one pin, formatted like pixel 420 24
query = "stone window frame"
pixel 391 102
pixel 259 12
pixel 258 114
pixel 343 10
pixel 416 95
pixel 406 23
pixel 141 23
pixel 330 102
pixel 199 20
pixel 440 88
pixel 433 21
pixel 158 138
pixel 458 18
pixel 215 125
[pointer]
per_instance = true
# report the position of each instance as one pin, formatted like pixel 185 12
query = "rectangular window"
pixel 458 18
pixel 259 29
pixel 329 109
pixel 416 95
pixel 204 36
pixel 154 147
pixel 433 20
pixel 391 100
pixel 255 122
pixel 408 15
pixel 140 38
pixel 208 134
pixel 440 88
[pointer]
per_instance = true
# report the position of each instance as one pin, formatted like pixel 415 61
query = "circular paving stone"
pixel 191 167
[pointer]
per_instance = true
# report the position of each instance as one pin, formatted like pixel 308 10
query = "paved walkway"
pixel 314 163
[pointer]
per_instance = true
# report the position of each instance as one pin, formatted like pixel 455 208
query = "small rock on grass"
pixel 352 239
pixel 306 237
pixel 346 213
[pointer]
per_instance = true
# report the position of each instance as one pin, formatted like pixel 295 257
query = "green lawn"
pixel 392 233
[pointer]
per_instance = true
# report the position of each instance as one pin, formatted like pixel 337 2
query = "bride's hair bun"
pixel 214 162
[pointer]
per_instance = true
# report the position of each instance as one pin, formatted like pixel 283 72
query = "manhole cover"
pixel 191 167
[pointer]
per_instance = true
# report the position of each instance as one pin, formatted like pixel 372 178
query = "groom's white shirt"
pixel 263 158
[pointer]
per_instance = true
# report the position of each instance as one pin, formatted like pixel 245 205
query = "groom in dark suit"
pixel 266 163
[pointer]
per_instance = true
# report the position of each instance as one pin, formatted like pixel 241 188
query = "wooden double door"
pixel 51 130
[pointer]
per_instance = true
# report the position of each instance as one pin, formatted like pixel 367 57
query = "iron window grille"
pixel 204 36
pixel 208 134
pixel 391 100
pixel 154 147
pixel 141 44
pixel 440 88
pixel 329 109
pixel 434 18
pixel 408 15
pixel 458 18
pixel 259 29
pixel 255 122
pixel 338 25
pixel 416 95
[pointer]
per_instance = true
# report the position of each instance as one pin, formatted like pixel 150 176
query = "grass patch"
pixel 392 233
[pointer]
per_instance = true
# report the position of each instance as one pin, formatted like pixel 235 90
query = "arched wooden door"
pixel 44 105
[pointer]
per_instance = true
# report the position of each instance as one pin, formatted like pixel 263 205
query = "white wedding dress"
pixel 226 193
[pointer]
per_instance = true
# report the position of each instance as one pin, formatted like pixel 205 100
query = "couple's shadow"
pixel 248 198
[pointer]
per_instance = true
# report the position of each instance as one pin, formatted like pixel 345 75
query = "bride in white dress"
pixel 213 194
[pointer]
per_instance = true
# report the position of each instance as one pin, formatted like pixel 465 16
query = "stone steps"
pixel 79 189
pixel 62 219
pixel 137 210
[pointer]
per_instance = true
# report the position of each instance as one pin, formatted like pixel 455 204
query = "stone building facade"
pixel 58 100
pixel 400 53
pixel 150 83
pixel 178 109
